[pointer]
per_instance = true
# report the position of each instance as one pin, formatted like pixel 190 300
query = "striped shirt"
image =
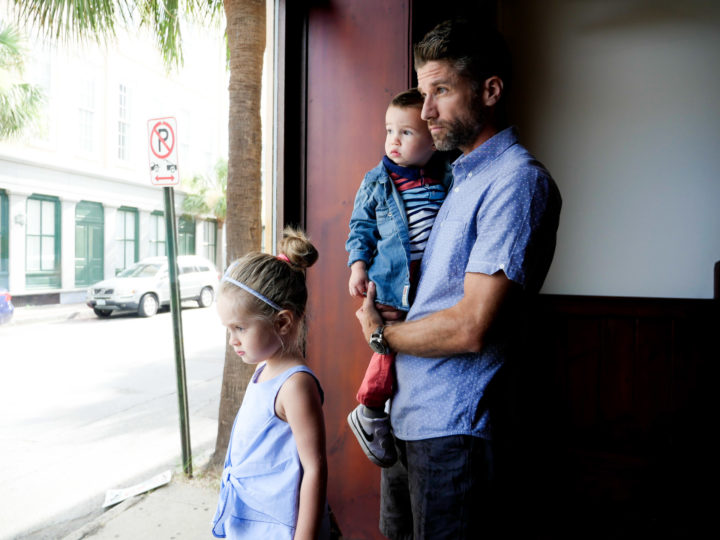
pixel 422 196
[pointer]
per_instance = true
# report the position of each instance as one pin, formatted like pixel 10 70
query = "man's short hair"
pixel 408 99
pixel 476 51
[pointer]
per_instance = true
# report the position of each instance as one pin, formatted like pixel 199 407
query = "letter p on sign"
pixel 162 138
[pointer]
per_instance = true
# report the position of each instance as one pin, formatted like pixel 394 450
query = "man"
pixel 491 246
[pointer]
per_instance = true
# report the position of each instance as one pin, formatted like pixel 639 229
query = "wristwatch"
pixel 377 341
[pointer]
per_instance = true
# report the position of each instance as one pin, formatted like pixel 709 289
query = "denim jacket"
pixel 379 236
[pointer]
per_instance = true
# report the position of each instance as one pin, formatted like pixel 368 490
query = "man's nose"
pixel 428 109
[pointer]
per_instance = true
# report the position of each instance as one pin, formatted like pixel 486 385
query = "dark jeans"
pixel 439 489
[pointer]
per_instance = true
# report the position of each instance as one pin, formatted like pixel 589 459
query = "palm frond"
pixel 11 51
pixel 19 107
pixel 67 19
pixel 207 195
pixel 20 102
pixel 99 20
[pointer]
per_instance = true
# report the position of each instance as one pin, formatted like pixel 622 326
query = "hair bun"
pixel 297 247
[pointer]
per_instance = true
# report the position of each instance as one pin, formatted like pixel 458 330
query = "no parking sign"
pixel 162 145
pixel 162 138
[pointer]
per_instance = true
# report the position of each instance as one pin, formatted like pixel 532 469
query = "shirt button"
pixel 456 189
pixel 502 267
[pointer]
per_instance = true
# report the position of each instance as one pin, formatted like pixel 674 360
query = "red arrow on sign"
pixel 158 178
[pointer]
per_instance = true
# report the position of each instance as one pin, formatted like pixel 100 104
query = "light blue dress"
pixel 260 484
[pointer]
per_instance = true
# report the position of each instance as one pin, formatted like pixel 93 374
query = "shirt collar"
pixel 432 169
pixel 484 154
pixel 411 173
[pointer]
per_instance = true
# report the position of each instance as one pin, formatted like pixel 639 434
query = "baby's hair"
pixel 280 281
pixel 408 99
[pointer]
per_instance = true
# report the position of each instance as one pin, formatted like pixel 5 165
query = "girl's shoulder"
pixel 301 379
pixel 301 390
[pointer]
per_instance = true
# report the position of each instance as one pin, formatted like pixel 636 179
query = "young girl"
pixel 275 477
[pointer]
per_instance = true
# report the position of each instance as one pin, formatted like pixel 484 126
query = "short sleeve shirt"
pixel 501 214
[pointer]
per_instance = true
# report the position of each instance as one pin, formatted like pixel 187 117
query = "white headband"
pixel 226 277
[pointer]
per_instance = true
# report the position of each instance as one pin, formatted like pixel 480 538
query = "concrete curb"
pixel 50 313
pixel 99 522
pixel 174 499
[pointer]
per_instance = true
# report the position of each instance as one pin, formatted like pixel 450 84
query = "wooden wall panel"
pixel 358 58
pixel 622 441
pixel 615 378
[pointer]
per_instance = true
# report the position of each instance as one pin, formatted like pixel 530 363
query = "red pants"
pixel 377 386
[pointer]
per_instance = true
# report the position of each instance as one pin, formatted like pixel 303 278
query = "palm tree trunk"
pixel 246 42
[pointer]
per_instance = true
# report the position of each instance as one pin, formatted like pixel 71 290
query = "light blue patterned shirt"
pixel 501 213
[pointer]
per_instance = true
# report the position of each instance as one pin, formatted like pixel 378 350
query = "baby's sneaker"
pixel 374 436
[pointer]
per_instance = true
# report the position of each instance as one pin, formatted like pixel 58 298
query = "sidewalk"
pixel 181 509
pixel 50 313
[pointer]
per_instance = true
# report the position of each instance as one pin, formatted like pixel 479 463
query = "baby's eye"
pixel 407 132
pixel 388 131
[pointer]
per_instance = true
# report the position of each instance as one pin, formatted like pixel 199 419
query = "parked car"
pixel 145 286
pixel 6 306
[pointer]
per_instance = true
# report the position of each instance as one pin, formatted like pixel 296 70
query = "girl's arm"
pixel 298 402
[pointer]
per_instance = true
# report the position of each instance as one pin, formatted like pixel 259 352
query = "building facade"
pixel 76 200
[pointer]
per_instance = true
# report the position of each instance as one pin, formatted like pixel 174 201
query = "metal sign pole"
pixel 177 329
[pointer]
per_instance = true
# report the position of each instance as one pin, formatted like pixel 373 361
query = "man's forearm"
pixel 455 330
pixel 444 333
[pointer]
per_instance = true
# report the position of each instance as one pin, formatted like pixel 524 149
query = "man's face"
pixel 454 114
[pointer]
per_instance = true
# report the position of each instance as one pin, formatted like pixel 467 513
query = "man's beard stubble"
pixel 461 132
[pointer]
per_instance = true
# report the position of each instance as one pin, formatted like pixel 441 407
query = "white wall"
pixel 621 100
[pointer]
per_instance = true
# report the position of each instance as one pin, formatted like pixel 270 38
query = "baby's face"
pixel 407 140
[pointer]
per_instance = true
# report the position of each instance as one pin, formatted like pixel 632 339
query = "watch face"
pixel 377 345
pixel 377 342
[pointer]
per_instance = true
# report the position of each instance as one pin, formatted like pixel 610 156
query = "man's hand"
pixel 368 315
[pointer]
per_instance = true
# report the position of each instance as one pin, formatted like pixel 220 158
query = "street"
pixel 91 404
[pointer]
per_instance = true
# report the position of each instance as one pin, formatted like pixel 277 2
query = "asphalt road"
pixel 89 404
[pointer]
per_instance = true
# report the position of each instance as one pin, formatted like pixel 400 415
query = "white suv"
pixel 145 286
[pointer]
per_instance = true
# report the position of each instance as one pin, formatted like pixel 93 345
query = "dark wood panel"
pixel 626 446
pixel 615 381
pixel 358 58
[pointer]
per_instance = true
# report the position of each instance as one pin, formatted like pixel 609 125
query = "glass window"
pixel 142 270
pixel 86 116
pixel 127 236
pixel 39 72
pixel 158 246
pixel 123 122
pixel 186 236
pixel 4 232
pixel 42 239
pixel 209 240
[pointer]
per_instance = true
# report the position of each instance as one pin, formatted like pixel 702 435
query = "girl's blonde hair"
pixel 280 281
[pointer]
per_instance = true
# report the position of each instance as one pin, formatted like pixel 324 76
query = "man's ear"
pixel 492 91
pixel 284 322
